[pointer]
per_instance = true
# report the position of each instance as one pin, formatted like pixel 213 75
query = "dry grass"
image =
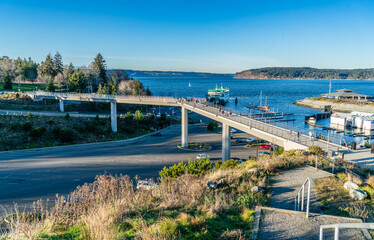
pixel 111 208
pixel 182 207
pixel 336 200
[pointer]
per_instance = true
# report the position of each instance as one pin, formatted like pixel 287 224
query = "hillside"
pixel 306 73
pixel 171 74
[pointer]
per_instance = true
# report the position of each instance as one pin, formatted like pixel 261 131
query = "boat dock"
pixel 318 116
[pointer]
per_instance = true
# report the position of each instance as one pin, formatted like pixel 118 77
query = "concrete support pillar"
pixel 226 142
pixel 113 116
pixel 61 105
pixel 184 127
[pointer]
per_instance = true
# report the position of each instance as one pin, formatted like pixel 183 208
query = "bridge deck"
pixel 274 132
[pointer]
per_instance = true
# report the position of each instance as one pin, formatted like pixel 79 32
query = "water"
pixel 280 94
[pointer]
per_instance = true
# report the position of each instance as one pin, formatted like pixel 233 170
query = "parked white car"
pixel 250 140
pixel 202 156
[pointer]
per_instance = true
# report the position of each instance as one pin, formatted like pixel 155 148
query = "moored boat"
pixel 218 95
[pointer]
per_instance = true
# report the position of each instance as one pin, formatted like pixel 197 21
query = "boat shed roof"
pixel 344 94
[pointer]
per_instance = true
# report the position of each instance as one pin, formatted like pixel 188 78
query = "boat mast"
pixel 330 87
pixel 261 99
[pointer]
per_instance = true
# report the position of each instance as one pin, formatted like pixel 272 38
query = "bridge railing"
pixel 294 134
pixel 107 96
pixel 285 131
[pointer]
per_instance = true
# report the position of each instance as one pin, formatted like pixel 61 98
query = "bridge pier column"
pixel 226 142
pixel 184 127
pixel 113 116
pixel 61 105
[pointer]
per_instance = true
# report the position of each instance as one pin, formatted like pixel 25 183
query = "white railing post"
pixel 302 198
pixel 320 233
pixel 308 199
pixel 336 234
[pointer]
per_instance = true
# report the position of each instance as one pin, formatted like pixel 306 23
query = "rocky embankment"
pixel 337 107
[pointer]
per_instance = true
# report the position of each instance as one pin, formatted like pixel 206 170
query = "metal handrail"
pixel 299 205
pixel 333 166
pixel 345 225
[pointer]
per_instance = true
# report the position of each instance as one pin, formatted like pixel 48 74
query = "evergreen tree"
pixel 113 87
pixel 138 115
pixel 48 67
pixel 78 81
pixel 8 82
pixel 138 88
pixel 100 68
pixel 148 92
pixel 69 71
pixel 57 62
pixel 50 86
pixel 103 89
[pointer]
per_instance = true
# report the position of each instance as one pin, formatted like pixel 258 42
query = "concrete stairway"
pixel 280 221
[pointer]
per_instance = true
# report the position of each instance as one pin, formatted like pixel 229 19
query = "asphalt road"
pixel 29 175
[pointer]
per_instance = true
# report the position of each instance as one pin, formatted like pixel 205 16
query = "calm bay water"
pixel 280 94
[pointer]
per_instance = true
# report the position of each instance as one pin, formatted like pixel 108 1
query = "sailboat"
pixel 189 84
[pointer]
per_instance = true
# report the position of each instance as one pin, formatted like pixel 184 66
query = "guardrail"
pixel 333 166
pixel 346 225
pixel 299 203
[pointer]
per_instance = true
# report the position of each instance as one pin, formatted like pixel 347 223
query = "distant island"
pixel 306 73
pixel 171 74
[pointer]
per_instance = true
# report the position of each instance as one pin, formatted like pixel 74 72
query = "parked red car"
pixel 267 146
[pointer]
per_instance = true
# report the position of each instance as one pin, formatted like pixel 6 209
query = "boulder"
pixel 212 185
pixel 357 194
pixel 350 185
pixel 254 170
pixel 256 189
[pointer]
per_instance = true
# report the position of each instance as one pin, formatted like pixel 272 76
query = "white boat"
pixel 189 84
pixel 218 95
pixel 312 121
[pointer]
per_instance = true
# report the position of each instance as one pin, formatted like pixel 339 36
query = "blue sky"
pixel 206 35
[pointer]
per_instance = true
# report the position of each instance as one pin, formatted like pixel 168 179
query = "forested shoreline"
pixel 57 76
pixel 306 73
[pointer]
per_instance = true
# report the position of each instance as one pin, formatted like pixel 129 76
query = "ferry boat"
pixel 218 95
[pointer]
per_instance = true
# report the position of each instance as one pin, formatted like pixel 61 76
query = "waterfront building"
pixel 359 120
pixel 347 94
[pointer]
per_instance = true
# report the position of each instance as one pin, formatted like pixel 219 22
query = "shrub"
pixel 37 132
pixel 369 190
pixel 212 125
pixel 199 167
pixel 279 151
pixel 315 150
pixel 14 126
pixel 339 100
pixel 50 121
pixel 66 135
pixel 67 116
pixel 247 215
pixel 27 126
pixel 56 131
pixel 29 115
pixel 227 164
pixel 174 171
pixel 341 176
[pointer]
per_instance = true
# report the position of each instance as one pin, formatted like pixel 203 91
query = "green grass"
pixel 23 132
pixel 25 86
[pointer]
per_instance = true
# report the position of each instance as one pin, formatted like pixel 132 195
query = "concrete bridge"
pixel 274 134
